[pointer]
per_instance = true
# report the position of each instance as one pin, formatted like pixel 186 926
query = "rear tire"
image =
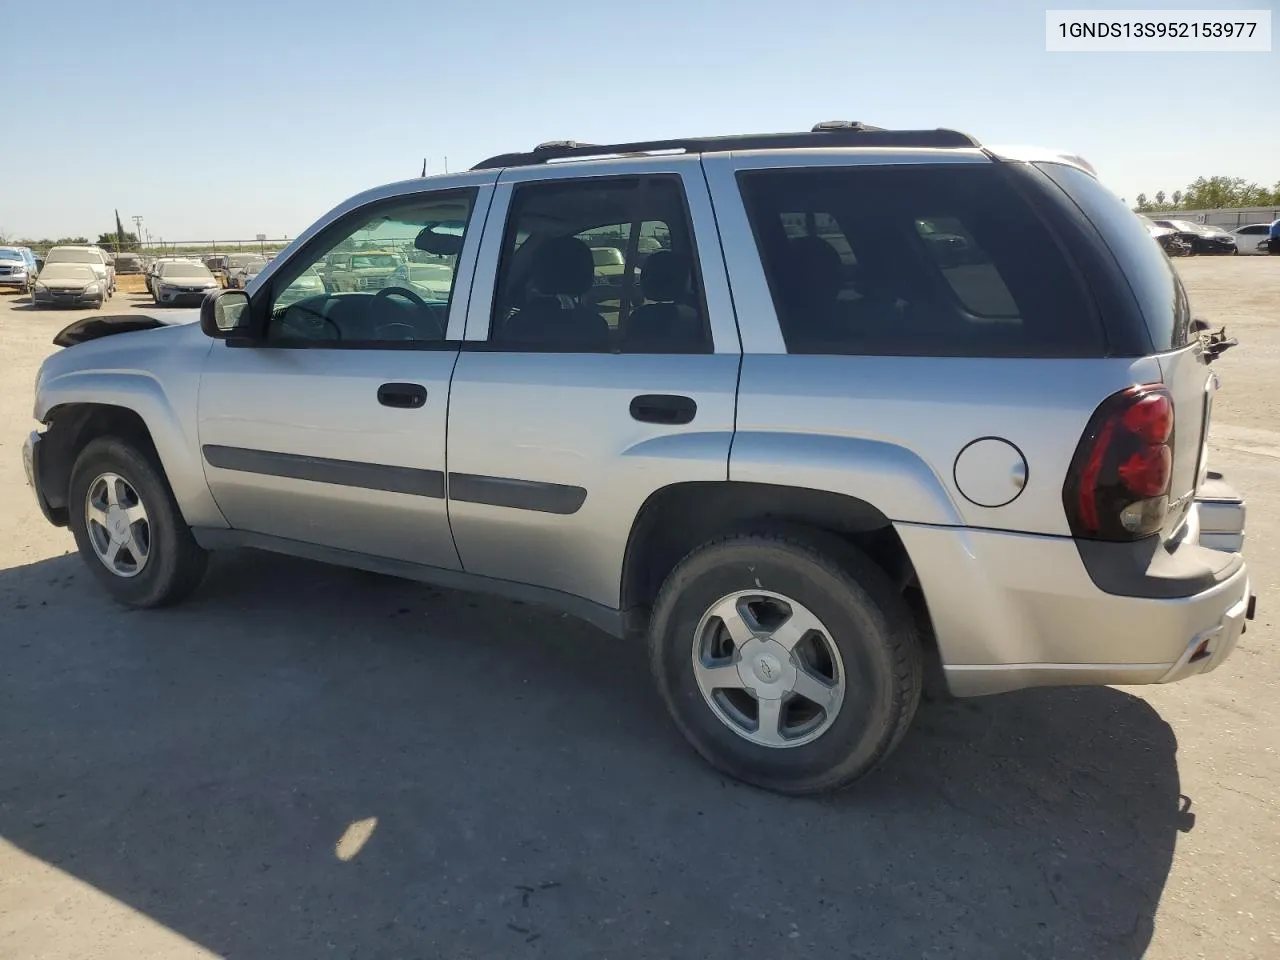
pixel 123 491
pixel 868 660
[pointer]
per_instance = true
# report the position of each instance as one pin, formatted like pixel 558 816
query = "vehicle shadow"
pixel 515 786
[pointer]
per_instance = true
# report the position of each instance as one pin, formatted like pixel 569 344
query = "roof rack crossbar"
pixel 831 134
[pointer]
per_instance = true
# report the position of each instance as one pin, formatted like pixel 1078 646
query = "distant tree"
pixel 1160 199
pixel 1177 198
pixel 1211 192
pixel 1142 203
pixel 4 235
pixel 70 241
pixel 118 240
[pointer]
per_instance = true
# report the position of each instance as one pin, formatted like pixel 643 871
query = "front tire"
pixel 128 527
pixel 788 662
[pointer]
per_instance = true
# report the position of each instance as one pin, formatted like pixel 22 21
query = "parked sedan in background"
pixel 182 281
pixel 1251 239
pixel 94 257
pixel 69 285
pixel 236 264
pixel 431 281
pixel 305 286
pixel 239 276
pixel 17 268
pixel 1203 239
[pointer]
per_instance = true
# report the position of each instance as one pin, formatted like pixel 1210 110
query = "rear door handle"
pixel 408 396
pixel 663 408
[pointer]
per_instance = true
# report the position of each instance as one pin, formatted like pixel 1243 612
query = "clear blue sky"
pixel 227 119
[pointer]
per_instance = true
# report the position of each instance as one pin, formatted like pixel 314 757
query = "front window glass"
pixel 359 288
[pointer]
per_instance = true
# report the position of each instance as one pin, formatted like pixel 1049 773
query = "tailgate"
pixel 1192 385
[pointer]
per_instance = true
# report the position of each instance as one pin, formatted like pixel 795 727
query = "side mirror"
pixel 224 314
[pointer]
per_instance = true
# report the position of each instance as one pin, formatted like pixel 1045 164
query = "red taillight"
pixel 1118 484
pixel 1146 472
pixel 1150 417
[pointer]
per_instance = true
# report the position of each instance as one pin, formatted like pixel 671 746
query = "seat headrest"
pixel 563 267
pixel 665 276
pixel 813 272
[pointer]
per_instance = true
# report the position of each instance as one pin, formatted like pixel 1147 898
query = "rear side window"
pixel 940 260
pixel 1151 275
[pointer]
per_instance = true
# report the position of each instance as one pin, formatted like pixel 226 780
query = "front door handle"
pixel 408 396
pixel 663 408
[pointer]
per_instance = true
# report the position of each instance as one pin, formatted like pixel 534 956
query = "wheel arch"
pixel 677 518
pixel 140 415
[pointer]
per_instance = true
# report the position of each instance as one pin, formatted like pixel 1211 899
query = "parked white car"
pixel 1249 238
pixel 94 257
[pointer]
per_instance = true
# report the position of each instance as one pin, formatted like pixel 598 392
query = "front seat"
pixel 666 324
pixel 562 271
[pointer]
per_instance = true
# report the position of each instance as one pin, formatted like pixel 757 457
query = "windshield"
pixel 606 257
pixel 255 267
pixel 67 271
pixel 374 260
pixel 73 255
pixel 184 269
pixel 242 259
pixel 8 253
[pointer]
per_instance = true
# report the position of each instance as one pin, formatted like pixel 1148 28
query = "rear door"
pixel 583 386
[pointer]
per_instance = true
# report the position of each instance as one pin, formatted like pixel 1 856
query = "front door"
pixel 600 368
pixel 331 430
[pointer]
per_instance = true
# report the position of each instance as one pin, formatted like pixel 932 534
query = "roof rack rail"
pixel 832 133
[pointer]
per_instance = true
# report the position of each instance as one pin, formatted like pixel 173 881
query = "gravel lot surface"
pixel 310 762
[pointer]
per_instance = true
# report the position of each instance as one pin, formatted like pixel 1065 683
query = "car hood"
pixel 187 281
pixel 95 328
pixel 66 283
pixel 6 262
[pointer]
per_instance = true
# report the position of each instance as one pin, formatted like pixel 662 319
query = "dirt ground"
pixel 304 761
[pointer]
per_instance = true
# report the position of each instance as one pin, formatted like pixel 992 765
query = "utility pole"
pixel 137 223
pixel 446 164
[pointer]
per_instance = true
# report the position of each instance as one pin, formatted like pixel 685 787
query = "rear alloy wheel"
pixel 788 662
pixel 768 668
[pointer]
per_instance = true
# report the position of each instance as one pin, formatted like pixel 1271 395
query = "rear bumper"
pixel 1016 610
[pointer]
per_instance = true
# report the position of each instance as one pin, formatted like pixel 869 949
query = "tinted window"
pixel 939 260
pixel 350 288
pixel 599 265
pixel 1151 276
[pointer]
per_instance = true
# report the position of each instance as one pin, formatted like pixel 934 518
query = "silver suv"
pixel 858 404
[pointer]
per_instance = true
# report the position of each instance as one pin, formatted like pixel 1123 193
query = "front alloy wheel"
pixel 118 525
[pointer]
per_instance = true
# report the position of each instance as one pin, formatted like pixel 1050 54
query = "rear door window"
pixel 933 260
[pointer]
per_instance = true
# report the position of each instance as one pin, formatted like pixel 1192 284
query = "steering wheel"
pixel 402 292
pixel 427 311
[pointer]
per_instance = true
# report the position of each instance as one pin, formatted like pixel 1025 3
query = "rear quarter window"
pixel 941 260
pixel 1150 274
